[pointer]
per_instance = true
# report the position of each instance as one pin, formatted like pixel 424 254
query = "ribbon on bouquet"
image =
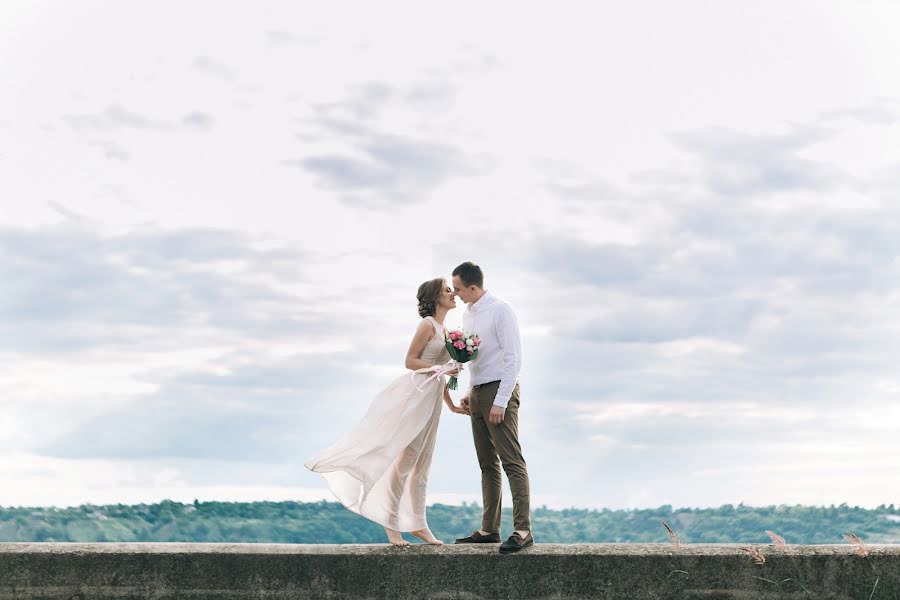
pixel 438 371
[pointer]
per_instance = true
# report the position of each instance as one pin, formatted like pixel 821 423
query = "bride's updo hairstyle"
pixel 428 295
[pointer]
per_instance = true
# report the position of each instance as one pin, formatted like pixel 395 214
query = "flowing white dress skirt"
pixel 380 468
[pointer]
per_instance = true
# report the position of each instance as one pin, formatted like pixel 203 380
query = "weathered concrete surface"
pixel 586 571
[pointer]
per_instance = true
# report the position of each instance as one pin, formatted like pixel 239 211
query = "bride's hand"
pixel 460 410
pixel 455 371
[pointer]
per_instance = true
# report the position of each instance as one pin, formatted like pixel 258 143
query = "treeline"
pixel 331 523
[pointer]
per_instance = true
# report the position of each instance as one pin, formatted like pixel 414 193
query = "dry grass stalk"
pixel 754 553
pixel 777 540
pixel 672 535
pixel 854 539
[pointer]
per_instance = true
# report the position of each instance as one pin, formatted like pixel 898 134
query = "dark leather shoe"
pixel 516 543
pixel 477 538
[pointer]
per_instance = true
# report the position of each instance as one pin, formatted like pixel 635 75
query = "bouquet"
pixel 463 347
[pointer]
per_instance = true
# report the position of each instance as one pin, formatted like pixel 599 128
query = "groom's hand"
pixel 497 413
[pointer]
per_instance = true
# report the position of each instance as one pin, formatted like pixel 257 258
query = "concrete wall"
pixel 610 571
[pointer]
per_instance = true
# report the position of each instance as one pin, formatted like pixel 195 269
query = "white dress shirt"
pixel 500 352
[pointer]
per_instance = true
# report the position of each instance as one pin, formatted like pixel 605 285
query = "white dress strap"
pixel 437 326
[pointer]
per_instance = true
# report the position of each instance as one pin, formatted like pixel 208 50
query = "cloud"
pixel 112 150
pixel 239 408
pixel 117 118
pixel 379 169
pixel 878 111
pixel 365 100
pixel 114 118
pixel 66 212
pixel 643 322
pixel 751 214
pixel 199 343
pixel 213 67
pixel 391 169
pixel 738 164
pixel 198 120
pixel 72 289
pixel 572 261
pixel 434 95
pixel 279 38
pixel 751 277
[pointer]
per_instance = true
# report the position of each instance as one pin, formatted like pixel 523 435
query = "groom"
pixel 493 403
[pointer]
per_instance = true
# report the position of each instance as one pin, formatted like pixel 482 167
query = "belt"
pixel 481 385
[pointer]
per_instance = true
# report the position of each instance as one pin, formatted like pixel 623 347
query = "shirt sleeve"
pixel 467 324
pixel 511 350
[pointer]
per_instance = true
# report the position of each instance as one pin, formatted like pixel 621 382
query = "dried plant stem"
pixel 777 540
pixel 854 539
pixel 672 535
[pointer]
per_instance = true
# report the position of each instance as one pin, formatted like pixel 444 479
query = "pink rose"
pixel 458 345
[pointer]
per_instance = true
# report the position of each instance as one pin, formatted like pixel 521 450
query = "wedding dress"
pixel 380 468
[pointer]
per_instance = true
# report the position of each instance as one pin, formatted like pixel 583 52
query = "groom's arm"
pixel 511 350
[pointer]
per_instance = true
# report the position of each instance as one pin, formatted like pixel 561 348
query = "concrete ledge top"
pixel 662 549
pixel 263 571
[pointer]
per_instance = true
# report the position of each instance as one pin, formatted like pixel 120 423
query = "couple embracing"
pixel 380 468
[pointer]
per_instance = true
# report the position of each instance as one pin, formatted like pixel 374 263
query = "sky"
pixel 214 218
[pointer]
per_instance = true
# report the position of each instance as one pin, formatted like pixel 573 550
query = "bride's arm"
pixel 449 402
pixel 424 332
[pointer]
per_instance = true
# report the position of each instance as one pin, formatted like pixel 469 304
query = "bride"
pixel 379 469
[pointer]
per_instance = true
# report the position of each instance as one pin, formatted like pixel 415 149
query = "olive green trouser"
pixel 496 444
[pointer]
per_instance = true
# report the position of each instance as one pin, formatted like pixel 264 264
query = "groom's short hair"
pixel 470 274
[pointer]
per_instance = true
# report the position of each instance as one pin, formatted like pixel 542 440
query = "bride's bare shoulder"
pixel 425 326
pixel 424 333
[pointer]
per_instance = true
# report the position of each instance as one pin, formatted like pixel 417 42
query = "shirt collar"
pixel 482 302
